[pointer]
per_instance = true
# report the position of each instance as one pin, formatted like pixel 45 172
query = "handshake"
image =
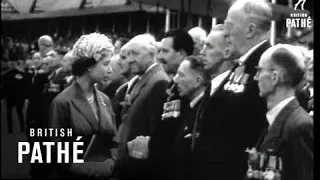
pixel 138 148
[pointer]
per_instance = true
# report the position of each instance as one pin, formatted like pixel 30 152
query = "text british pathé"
pixel 62 148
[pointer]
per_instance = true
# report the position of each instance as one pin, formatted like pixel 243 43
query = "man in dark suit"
pixel 289 136
pixel 143 102
pixel 211 143
pixel 234 117
pixel 193 82
pixel 176 45
pixel 193 85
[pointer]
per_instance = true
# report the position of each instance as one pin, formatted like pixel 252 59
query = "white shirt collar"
pixel 216 81
pixel 150 67
pixel 244 57
pixel 196 99
pixel 273 113
pixel 130 82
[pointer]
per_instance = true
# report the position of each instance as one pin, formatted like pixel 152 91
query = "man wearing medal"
pixel 288 141
pixel 236 109
pixel 175 46
pixel 143 102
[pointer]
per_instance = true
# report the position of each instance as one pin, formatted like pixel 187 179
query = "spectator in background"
pixel 14 83
pixel 124 64
pixel 303 92
pixel 8 50
pixel 116 79
pixel 125 71
pixel 199 36
pixel 45 44
pixel 119 43
pixel 66 63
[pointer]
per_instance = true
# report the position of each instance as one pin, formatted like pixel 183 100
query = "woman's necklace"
pixel 90 99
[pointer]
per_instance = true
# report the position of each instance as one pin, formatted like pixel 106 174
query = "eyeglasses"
pixel 259 69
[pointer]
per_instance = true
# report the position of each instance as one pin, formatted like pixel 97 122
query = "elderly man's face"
pixel 139 58
pixel 186 79
pixel 235 27
pixel 264 77
pixel 123 63
pixel 169 57
pixel 213 50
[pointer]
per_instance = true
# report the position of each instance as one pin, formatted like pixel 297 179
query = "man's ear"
pixel 276 77
pixel 251 30
pixel 227 52
pixel 199 80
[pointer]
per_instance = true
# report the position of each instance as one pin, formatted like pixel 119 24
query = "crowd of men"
pixel 188 106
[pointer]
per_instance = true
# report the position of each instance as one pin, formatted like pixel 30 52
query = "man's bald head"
pixel 288 59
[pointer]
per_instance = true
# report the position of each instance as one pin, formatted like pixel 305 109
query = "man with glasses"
pixel 289 135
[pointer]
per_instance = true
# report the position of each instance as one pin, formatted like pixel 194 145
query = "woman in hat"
pixel 86 110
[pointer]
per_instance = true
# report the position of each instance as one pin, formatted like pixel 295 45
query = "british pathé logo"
pixel 301 3
pixel 299 19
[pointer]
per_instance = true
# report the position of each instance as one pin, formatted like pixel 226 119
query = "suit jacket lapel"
pixel 220 90
pixel 254 58
pixel 277 126
pixel 142 82
pixel 83 106
pixel 105 119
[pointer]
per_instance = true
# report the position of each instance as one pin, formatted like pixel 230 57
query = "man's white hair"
pixel 260 10
pixel 198 33
pixel 145 40
pixel 91 45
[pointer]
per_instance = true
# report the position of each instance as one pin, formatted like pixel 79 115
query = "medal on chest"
pixel 237 80
pixel 171 109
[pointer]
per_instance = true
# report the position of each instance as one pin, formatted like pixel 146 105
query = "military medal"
pixel 272 162
pixel 242 83
pixel 171 109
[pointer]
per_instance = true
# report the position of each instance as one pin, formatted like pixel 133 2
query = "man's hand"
pixel 138 148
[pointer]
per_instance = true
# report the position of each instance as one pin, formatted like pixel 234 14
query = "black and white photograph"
pixel 157 89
